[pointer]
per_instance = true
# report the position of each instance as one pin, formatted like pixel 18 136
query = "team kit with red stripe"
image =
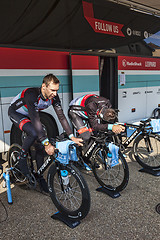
pixel 87 107
pixel 24 113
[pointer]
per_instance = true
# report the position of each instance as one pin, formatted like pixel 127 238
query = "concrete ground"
pixel 131 216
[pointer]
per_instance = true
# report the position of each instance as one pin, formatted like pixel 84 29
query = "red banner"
pixel 101 26
pixel 138 63
pixel 85 62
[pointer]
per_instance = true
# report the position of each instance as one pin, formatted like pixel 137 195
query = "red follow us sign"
pixel 98 25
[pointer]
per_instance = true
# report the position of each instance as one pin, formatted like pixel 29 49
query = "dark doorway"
pixel 109 79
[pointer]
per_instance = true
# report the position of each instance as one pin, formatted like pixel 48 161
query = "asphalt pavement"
pixel 131 216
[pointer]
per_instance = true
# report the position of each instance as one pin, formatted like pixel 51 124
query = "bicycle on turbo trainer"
pixel 67 187
pixel 112 175
pixel 146 145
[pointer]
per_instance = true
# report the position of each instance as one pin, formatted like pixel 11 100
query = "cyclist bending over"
pixel 97 110
pixel 24 113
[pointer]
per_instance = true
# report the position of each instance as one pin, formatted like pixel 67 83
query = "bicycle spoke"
pixel 70 198
pixel 150 159
pixel 77 200
pixel 13 157
pixel 111 175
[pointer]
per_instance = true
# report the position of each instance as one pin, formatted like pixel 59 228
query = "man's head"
pixel 50 86
pixel 108 114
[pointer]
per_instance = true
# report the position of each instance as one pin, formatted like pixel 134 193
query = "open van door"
pixel 109 79
pixel 85 74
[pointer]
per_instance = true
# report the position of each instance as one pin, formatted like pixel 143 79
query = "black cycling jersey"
pixel 29 102
pixel 88 107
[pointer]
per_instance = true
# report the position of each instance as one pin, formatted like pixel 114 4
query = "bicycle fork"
pixel 148 144
pixel 63 179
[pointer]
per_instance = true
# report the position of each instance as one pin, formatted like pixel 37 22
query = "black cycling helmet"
pixel 108 114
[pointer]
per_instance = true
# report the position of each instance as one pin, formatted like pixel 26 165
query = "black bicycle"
pixel 112 176
pixel 146 145
pixel 67 187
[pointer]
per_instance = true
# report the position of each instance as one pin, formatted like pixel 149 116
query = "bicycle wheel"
pixel 73 199
pixel 146 150
pixel 16 176
pixel 12 155
pixel 114 178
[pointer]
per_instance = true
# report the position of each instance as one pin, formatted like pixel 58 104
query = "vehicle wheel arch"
pixel 46 118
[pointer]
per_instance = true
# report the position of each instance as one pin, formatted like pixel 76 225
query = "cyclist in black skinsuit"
pixel 24 113
pixel 94 109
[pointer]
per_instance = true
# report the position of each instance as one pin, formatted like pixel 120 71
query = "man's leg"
pixel 40 153
pixel 84 132
pixel 23 123
pixel 79 125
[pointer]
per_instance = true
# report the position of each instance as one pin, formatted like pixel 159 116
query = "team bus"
pixel 131 83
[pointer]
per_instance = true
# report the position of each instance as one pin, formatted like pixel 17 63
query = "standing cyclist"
pixel 97 110
pixel 24 113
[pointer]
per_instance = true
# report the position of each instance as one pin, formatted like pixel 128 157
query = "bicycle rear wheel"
pixel 146 150
pixel 12 156
pixel 73 199
pixel 16 176
pixel 114 178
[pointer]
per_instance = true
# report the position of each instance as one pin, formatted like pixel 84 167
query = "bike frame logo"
pixel 98 25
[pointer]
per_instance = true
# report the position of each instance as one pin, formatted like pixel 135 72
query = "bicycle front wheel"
pixel 112 177
pixel 146 150
pixel 73 199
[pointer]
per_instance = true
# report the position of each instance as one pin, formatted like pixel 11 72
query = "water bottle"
pixel 65 178
pixel 109 158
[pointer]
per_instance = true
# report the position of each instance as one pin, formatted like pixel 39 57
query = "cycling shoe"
pixel 43 184
pixel 31 181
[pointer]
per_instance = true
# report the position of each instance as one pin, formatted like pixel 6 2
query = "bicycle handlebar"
pixel 143 123
pixel 56 151
pixel 73 144
pixel 146 121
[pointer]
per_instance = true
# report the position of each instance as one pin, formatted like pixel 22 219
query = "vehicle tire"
pixel 74 200
pixel 48 123
pixel 113 178
pixel 16 135
pixel 149 160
